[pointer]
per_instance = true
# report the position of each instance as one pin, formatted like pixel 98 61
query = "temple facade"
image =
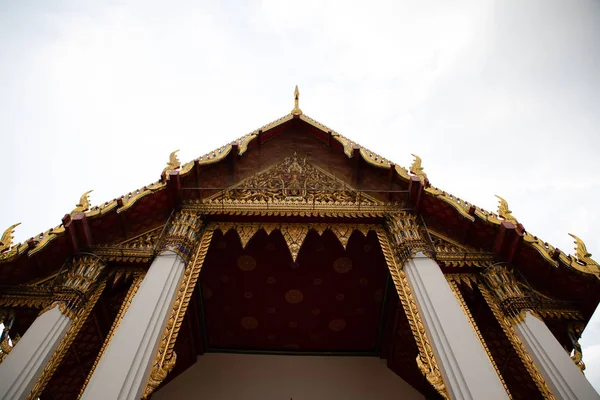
pixel 292 263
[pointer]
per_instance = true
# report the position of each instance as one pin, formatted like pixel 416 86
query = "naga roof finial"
pixel 504 212
pixel 173 163
pixel 417 169
pixel 7 237
pixel 297 110
pixel 84 203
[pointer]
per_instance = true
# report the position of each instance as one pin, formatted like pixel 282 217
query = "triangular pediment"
pixel 293 180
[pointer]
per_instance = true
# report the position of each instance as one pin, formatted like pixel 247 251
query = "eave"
pixel 505 235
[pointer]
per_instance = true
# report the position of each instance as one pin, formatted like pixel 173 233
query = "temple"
pixel 292 263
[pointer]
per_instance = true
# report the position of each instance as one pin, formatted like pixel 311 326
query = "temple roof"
pixel 423 195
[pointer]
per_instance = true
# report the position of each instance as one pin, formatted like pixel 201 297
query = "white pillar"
pixel 560 372
pixel 466 368
pixel 25 363
pixel 123 370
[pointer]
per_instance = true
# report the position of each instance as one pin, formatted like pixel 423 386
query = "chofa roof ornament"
pixel 7 238
pixel 296 110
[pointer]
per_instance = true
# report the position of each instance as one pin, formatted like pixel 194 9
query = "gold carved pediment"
pixel 453 253
pixel 294 180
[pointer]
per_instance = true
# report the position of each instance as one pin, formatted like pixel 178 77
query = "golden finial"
pixel 84 203
pixel 297 110
pixel 582 256
pixel 504 211
pixel 7 237
pixel 417 169
pixel 581 251
pixel 173 162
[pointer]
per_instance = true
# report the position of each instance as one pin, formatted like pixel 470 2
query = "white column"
pixel 25 363
pixel 561 374
pixel 124 368
pixel 466 368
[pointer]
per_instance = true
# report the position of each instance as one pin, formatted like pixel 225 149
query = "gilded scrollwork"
pixel 454 254
pixel 294 234
pixel 294 180
pixel 510 293
pixel 426 360
pixel 165 358
pixel 406 232
pixel 182 233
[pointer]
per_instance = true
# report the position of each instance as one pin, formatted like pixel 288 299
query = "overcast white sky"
pixel 496 97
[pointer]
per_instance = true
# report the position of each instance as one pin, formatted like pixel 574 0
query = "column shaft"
pixel 563 377
pixel 25 363
pixel 123 370
pixel 467 370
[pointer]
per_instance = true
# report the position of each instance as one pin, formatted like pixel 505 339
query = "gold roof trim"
pixel 579 262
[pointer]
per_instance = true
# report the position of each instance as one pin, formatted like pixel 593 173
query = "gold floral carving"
pixel 147 240
pixel 66 342
pixel 182 234
pixel 165 357
pixel 469 280
pixel 426 360
pixel 294 180
pixel 343 233
pixel 454 254
pixel 140 248
pixel 135 285
pixel 83 273
pixel 245 232
pixel 516 342
pixel 84 203
pixel 504 212
pixel 456 290
pixel 405 231
pixel 294 235
pixel 511 295
pixel 291 208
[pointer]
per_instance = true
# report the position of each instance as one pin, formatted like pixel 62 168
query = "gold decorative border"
pixel 461 300
pixel 292 208
pixel 517 344
pixel 66 342
pixel 426 360
pixel 586 266
pixel 165 358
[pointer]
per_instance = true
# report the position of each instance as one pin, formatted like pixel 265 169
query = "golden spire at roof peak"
pixel 297 110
